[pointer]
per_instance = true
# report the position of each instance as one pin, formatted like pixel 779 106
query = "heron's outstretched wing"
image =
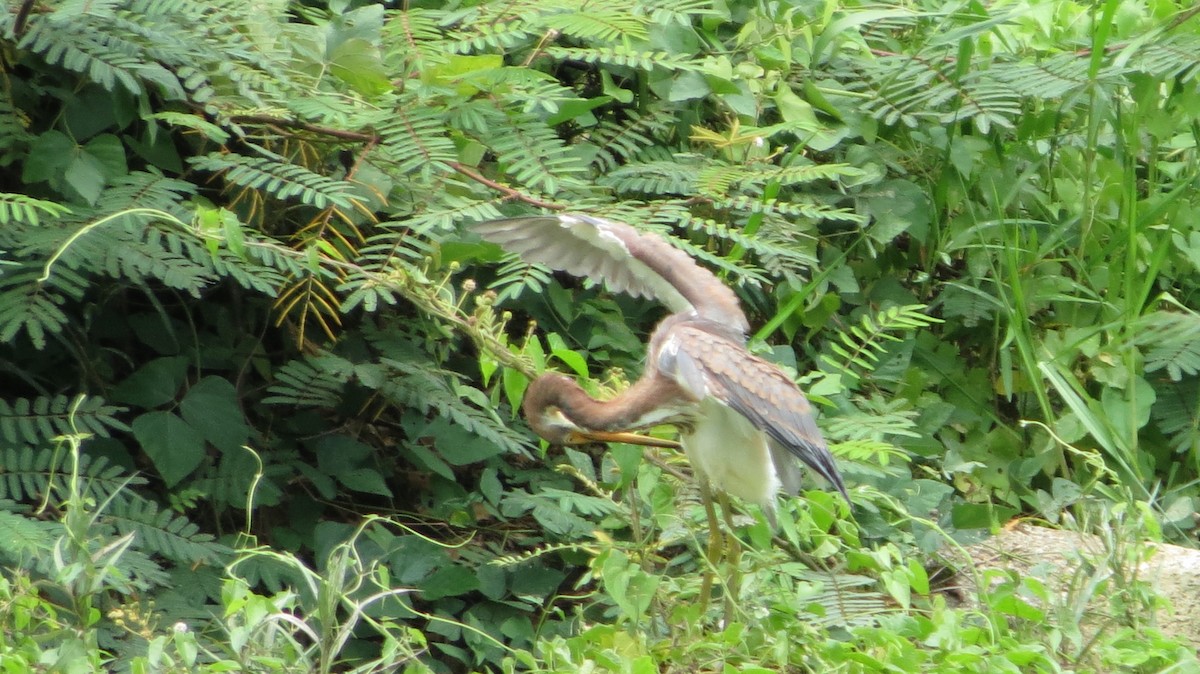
pixel 629 261
pixel 707 363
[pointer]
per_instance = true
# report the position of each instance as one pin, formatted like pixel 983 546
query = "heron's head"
pixel 543 409
pixel 560 411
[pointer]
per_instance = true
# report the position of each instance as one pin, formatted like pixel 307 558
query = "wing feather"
pixel 759 391
pixel 626 260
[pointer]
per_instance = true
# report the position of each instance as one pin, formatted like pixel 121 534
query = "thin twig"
pixel 509 192
pixel 373 139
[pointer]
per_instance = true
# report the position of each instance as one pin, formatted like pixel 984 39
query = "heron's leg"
pixel 733 555
pixel 714 551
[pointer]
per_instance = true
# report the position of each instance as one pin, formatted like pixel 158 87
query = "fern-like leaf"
pixel 76 46
pixel 417 386
pixel 24 209
pixel 316 381
pixel 1171 57
pixel 25 538
pixel 658 177
pixel 1177 416
pixel 414 137
pixel 516 278
pixel 33 307
pixel 878 419
pixel 1171 341
pixel 862 346
pixel 282 180
pixel 682 12
pixel 27 474
pixel 967 303
pixel 624 56
pixel 532 153
pixel 621 142
pixel 797 208
pixel 39 420
pixel 482 35
pixel 555 515
pixel 799 173
pixel 911 91
pixel 599 23
pixel 164 532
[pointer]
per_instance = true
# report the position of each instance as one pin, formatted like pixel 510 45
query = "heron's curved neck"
pixel 712 299
pixel 648 402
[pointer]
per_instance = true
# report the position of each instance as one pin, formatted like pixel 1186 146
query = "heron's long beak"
pixel 631 438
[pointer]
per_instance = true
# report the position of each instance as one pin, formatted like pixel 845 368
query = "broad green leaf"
pixel 688 86
pixel 581 461
pixel 158 149
pixel 459 446
pixel 430 460
pixel 232 230
pixel 492 582
pixel 109 151
pixel 195 122
pixel 211 407
pixel 925 495
pixel 973 516
pixel 357 63
pixel 900 206
pixel 49 157
pixel 321 481
pixel 85 175
pixel 966 152
pixel 339 453
pixel 449 581
pixel 175 448
pixel 800 114
pixel 534 351
pixel 487 367
pixel 1017 607
pixel 365 480
pixel 153 384
pixel 1128 410
pixel 631 588
pixel 515 384
pixel 329 534
pixel 363 23
pixel 1181 509
pixel 490 486
pixel 576 109
pixel 471 153
pixel 628 458
pixel 648 664
pixel 458 66
pixel 536 580
pixel 613 91
pixel 896 583
pixel 569 357
pixel 917 577
pixel 1065 492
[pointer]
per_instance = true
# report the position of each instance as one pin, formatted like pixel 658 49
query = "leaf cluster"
pixel 236 279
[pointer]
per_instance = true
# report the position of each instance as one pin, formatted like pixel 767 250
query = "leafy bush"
pixel 239 313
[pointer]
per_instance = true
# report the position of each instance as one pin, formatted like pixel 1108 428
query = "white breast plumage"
pixel 731 454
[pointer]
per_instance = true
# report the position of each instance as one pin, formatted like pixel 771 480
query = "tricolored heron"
pixel 742 421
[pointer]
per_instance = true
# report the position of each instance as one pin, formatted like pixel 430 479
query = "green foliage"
pixel 236 284
pixel 862 347
pixel 22 208
pixel 28 422
pixel 34 475
pixel 276 178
